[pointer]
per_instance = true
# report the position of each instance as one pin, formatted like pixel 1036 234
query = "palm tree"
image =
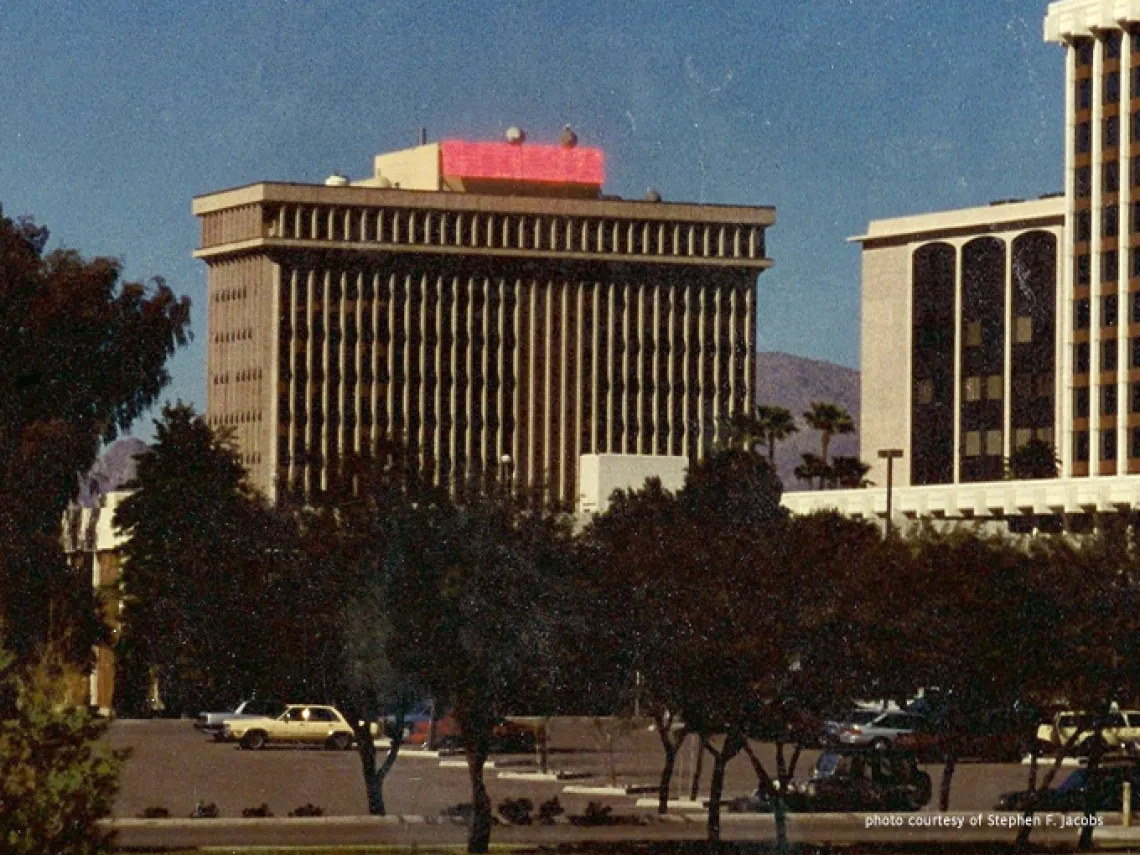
pixel 1035 459
pixel 830 420
pixel 775 424
pixel 811 468
pixel 849 472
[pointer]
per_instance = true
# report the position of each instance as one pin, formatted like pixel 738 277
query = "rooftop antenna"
pixel 423 136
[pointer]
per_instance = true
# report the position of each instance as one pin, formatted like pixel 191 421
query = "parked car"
pixel 1070 794
pixel 881 731
pixel 1118 730
pixel 211 722
pixel 420 711
pixel 998 735
pixel 852 779
pixel 833 726
pixel 507 737
pixel 299 724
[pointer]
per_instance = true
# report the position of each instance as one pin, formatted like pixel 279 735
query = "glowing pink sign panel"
pixel 522 162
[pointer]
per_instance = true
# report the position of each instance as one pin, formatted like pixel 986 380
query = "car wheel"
pixel 881 744
pixel 254 740
pixel 339 742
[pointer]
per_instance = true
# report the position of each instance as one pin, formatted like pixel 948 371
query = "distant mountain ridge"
pixel 794 382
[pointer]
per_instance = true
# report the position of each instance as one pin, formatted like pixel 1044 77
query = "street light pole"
pixel 890 454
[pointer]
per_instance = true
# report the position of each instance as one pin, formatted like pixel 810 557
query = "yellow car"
pixel 300 724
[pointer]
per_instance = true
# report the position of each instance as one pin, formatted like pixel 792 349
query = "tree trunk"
pixel 780 808
pixel 544 747
pixel 695 786
pixel 373 777
pixel 663 722
pixel 947 780
pixel 476 748
pixel 1023 833
pixel 1085 842
pixel 732 745
pixel 1034 755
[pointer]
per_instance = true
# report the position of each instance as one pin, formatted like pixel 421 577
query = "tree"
pixel 84 355
pixel 849 472
pixel 812 468
pixel 830 420
pixel 775 424
pixel 485 594
pixel 200 550
pixel 56 782
pixel 1034 459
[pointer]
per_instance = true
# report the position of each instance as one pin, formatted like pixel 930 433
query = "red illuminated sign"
pixel 507 162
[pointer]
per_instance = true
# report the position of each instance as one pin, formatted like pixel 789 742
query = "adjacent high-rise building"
pixel 482 303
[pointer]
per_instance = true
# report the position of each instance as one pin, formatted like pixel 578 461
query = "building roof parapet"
pixel 1007 216
pixel 1070 19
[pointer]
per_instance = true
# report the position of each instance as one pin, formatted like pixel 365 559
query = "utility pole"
pixel 890 455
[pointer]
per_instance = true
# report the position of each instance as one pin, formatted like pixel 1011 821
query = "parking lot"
pixel 173 766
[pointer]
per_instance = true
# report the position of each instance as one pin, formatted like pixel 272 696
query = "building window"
pixel 1081 358
pixel 1134 299
pixel 1134 451
pixel 1111 174
pixel 1112 45
pixel 973 333
pixel 1084 50
pixel 1111 131
pixel 973 443
pixel 924 392
pixel 1081 314
pixel 1108 355
pixel 1109 269
pixel 1108 444
pixel 1081 402
pixel 1135 255
pixel 1084 138
pixel 1021 436
pixel 1081 446
pixel 1136 114
pixel 1084 93
pixel 1083 182
pixel 993 443
pixel 1084 224
pixel 1109 220
pixel 1134 403
pixel 1109 313
pixel 1112 87
pixel 1083 269
pixel 1044 385
pixel 973 391
pixel 1108 399
pixel 1022 330
pixel 994 391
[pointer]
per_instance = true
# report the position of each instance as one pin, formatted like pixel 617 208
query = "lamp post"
pixel 890 454
pixel 505 472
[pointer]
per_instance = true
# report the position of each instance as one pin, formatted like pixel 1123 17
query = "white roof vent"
pixel 336 180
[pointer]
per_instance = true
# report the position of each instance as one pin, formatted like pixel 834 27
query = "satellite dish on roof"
pixel 651 195
pixel 516 135
pixel 568 139
pixel 336 180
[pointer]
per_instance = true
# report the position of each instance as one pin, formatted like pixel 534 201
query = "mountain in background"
pixel 112 471
pixel 783 380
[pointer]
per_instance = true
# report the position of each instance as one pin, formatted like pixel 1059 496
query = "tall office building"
pixel 482 303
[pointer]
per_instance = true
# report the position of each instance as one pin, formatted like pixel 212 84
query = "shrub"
pixel 55 783
pixel 207 810
pixel 516 811
pixel 260 811
pixel 155 812
pixel 549 810
pixel 307 809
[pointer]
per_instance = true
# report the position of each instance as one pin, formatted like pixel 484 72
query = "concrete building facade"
pixel 484 304
pixel 1020 320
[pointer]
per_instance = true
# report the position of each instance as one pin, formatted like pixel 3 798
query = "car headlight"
pixel 810 789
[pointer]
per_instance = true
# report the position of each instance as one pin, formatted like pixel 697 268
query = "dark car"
pixel 853 779
pixel 1070 795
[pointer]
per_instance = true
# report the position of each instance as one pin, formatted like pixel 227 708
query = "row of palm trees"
pixel 770 425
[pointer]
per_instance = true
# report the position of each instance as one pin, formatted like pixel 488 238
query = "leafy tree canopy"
pixel 84 355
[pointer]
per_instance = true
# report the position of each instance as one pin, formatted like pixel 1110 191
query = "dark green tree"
pixel 486 600
pixel 200 551
pixel 83 356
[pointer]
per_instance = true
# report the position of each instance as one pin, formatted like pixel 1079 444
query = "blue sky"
pixel 114 114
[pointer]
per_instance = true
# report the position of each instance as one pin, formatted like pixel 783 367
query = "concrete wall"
pixel 600 474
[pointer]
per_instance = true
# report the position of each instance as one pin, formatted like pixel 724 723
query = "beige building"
pixel 987 327
pixel 483 303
